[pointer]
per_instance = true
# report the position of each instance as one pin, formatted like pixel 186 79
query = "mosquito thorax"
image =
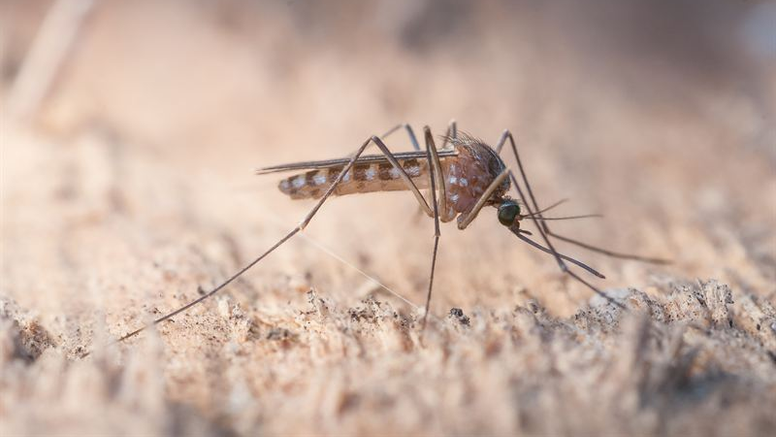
pixel 508 211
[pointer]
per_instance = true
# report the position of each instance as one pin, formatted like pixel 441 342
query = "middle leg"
pixel 436 177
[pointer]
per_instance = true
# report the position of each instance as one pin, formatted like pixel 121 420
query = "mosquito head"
pixel 508 212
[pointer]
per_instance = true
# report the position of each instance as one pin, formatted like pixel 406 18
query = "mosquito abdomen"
pixel 361 178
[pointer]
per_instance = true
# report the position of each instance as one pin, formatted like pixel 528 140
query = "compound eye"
pixel 508 212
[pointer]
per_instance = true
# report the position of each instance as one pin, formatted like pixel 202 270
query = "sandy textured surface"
pixel 131 188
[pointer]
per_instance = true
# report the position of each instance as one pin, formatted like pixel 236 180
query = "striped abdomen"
pixel 362 178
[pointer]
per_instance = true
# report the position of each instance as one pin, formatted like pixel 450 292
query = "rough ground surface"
pixel 131 189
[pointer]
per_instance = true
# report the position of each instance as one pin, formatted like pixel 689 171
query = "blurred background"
pixel 658 115
pixel 130 131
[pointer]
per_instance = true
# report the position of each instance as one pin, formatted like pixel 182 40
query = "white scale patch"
pixel 319 179
pixel 370 173
pixel 463 182
pixel 394 173
pixel 346 177
pixel 413 171
pixel 284 185
pixel 454 198
pixel 299 181
pixel 453 180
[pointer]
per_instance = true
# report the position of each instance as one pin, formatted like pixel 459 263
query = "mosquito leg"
pixel 435 171
pixel 436 177
pixel 452 133
pixel 541 226
pixel 405 177
pixel 507 135
pixel 501 141
pixel 563 267
pixel 280 242
pixel 213 291
pixel 465 219
pixel 433 158
pixel 546 228
pixel 410 133
pixel 520 234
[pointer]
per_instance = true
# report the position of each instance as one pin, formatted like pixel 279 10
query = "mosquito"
pixel 461 178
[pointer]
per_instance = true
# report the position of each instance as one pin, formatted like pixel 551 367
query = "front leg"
pixel 507 135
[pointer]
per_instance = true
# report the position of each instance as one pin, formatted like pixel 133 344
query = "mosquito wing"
pixel 330 163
